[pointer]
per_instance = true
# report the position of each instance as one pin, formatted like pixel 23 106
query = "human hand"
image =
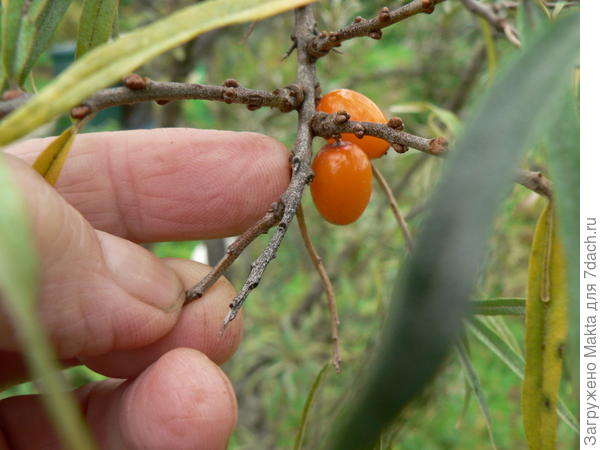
pixel 115 307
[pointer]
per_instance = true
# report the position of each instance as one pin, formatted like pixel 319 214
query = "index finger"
pixel 170 183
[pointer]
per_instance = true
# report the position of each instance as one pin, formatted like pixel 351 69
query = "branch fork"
pixel 332 125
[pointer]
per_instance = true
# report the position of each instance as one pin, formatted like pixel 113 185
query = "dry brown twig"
pixel 301 157
pixel 332 125
pixel 329 292
pixel 394 206
pixel 139 89
pixel 499 23
pixel 269 220
pixel 324 42
pixel 535 181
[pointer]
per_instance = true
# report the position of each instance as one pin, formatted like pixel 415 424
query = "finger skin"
pixel 198 327
pixel 182 401
pixel 171 183
pixel 99 292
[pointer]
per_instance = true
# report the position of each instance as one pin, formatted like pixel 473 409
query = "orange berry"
pixel 342 186
pixel 361 109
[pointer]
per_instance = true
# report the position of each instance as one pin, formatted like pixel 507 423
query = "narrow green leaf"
pixel 499 307
pixel 50 161
pixel 497 325
pixel 514 362
pixel 11 23
pixel 29 27
pixel 475 384
pixel 531 399
pixel 430 297
pixel 530 18
pixel 490 48
pixel 562 146
pixel 106 64
pixel 321 376
pixel 501 328
pixel 96 24
pixel 19 281
pixel 545 333
pixel 491 340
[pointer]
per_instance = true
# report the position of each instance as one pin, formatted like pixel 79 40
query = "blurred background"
pixel 428 70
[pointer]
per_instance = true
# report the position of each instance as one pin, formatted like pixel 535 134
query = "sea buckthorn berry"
pixel 342 185
pixel 361 109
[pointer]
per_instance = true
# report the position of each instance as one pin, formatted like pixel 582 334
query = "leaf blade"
pixel 308 404
pixel 96 24
pixel 475 385
pixel 545 332
pixel 50 161
pixel 562 147
pixel 499 307
pixel 29 28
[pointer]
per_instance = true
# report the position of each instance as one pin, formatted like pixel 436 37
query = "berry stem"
pixel 331 302
pixel 394 205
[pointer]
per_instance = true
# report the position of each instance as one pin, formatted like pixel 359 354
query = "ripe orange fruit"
pixel 360 108
pixel 341 188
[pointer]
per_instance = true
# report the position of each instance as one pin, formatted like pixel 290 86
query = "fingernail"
pixel 140 273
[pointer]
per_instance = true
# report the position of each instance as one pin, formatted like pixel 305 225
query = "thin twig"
pixel 390 196
pixel 328 125
pixel 247 33
pixel 290 50
pixel 269 220
pixel 285 99
pixel 301 170
pixel 325 42
pixel 318 263
pixel 548 4
pixel 535 181
pixel 499 23
pixel 8 106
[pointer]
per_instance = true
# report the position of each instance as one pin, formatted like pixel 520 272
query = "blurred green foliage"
pixel 287 332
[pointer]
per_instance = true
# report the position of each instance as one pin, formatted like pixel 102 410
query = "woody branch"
pixel 324 42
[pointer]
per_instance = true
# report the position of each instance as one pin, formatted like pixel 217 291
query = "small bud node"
pixel 384 15
pixel 135 82
pixel 79 112
pixel 341 117
pixel 358 130
pixel 11 94
pixel 400 148
pixel 230 82
pixel 376 34
pixel 396 123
